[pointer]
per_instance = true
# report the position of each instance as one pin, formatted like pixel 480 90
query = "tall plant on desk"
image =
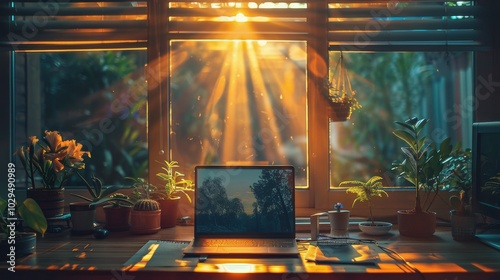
pixel 422 166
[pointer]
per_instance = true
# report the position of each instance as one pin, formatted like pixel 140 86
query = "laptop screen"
pixel 245 201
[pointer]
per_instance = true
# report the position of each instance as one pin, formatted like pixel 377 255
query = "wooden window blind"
pixel 69 24
pixel 351 25
pixel 407 25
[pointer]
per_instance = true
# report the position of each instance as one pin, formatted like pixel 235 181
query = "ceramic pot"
pixel 339 223
pixel 82 218
pixel 169 209
pixel 25 245
pixel 145 222
pixel 377 228
pixel 117 218
pixel 51 201
pixel 416 224
pixel 463 228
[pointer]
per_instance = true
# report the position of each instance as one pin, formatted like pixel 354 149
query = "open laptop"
pixel 244 210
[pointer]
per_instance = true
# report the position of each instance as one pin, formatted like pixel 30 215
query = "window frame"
pixel 318 195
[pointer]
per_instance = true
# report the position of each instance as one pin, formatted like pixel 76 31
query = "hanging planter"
pixel 341 100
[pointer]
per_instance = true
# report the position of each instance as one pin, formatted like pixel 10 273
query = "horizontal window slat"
pixel 424 24
pixel 237 36
pixel 88 24
pixel 227 12
pixel 257 27
pixel 74 11
pixel 410 11
pixel 435 35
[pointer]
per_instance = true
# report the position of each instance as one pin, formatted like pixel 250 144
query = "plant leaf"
pixel 32 215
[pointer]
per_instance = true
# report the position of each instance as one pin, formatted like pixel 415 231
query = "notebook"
pixel 244 210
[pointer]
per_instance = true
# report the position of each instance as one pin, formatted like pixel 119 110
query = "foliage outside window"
pixel 98 98
pixel 393 86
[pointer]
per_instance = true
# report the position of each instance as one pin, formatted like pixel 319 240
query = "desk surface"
pixel 74 257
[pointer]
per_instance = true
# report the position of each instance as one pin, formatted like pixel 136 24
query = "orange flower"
pixel 54 139
pixel 60 150
pixel 75 153
pixel 33 140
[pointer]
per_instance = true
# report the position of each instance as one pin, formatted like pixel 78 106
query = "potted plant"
pixel 341 97
pixel 117 212
pixel 365 191
pixel 14 243
pixel 168 196
pixel 145 217
pixel 422 166
pixel 55 161
pixel 458 172
pixel 83 213
pixel 339 221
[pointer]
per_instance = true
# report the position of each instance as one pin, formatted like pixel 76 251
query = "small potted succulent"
pixel 145 217
pixel 365 191
pixel 339 220
pixel 117 212
pixel 83 213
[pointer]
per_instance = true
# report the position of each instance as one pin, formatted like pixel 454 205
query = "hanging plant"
pixel 341 96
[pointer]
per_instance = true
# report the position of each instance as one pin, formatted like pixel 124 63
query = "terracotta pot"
pixel 117 218
pixel 339 223
pixel 51 201
pixel 169 209
pixel 416 224
pixel 463 228
pixel 82 218
pixel 145 222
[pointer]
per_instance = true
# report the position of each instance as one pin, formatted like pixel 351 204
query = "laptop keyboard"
pixel 245 243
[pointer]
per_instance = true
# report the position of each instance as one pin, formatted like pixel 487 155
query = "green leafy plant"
pixel 99 194
pixel 28 211
pixel 365 191
pixel 423 162
pixel 173 183
pixel 458 174
pixel 461 204
pixel 339 87
pixel 142 188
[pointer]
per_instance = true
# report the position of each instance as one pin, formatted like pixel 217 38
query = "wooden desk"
pixel 84 257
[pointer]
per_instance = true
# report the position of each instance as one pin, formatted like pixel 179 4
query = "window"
pixel 392 86
pixel 239 102
pixel 188 45
pixel 97 98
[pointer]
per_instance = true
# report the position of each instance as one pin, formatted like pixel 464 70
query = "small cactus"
pixel 146 205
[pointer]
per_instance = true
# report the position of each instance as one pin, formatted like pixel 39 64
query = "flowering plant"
pixel 55 160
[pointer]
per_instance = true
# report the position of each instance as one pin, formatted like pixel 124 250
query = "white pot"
pixel 339 223
pixel 378 228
